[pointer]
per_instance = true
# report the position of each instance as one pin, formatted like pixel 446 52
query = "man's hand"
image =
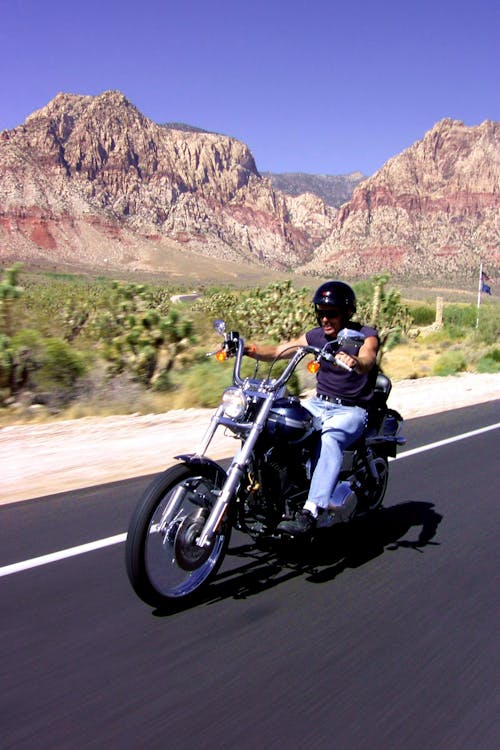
pixel 342 359
pixel 367 356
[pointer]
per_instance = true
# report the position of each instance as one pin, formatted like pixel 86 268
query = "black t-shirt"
pixel 335 381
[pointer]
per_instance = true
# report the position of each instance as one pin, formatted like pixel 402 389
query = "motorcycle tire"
pixel 163 563
pixel 377 489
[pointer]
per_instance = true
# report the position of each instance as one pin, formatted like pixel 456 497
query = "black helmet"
pixel 337 294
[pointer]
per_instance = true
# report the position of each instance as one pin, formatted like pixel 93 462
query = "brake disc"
pixel 188 554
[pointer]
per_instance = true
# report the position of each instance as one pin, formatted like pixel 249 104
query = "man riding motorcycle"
pixel 342 397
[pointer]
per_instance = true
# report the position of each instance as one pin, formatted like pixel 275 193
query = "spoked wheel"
pixel 164 563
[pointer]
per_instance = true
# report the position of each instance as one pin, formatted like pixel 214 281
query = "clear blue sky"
pixel 316 86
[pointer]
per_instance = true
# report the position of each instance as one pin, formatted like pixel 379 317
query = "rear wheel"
pixel 371 490
pixel 377 487
pixel 164 564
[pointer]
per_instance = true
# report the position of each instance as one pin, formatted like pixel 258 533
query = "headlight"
pixel 234 402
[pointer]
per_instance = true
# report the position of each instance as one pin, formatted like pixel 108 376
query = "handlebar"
pixel 329 357
pixel 234 347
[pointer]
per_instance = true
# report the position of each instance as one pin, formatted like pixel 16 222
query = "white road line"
pixel 446 441
pixel 62 554
pixel 119 538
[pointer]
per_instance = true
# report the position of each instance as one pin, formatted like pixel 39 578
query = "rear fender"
pixel 385 445
pixel 385 440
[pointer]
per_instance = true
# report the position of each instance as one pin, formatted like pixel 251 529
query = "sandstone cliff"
pixel 430 212
pixel 90 180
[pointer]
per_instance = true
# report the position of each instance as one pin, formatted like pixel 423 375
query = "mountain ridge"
pixel 334 190
pixel 89 181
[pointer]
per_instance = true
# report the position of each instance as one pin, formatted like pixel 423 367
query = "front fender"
pixel 193 459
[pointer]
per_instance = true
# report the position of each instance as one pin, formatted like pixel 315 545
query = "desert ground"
pixel 41 459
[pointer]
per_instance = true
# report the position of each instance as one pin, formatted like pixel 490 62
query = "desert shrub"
pixel 162 383
pixel 459 317
pixel 38 370
pixel 60 305
pixel 488 331
pixel 489 362
pixel 393 339
pixel 61 365
pixel 449 363
pixel 423 315
pixel 455 332
pixel 203 383
pixel 135 330
pixel 28 337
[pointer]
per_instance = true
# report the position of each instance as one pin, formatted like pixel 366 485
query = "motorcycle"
pixel 180 530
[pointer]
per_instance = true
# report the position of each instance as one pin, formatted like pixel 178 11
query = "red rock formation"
pixel 431 211
pixel 91 182
pixel 85 166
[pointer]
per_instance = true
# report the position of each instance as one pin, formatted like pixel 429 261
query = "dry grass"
pixel 418 356
pixel 415 359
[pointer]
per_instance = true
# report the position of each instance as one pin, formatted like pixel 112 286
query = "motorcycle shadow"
pixel 251 568
pixel 411 525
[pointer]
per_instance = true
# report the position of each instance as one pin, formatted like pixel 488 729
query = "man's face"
pixel 330 318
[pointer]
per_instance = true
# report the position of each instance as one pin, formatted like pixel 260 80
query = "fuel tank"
pixel 289 421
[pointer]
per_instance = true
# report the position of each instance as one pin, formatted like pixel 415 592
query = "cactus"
pixel 18 360
pixel 277 311
pixel 10 291
pixel 139 334
pixel 74 317
pixel 385 311
pixel 6 363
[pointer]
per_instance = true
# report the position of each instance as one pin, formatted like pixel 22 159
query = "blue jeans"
pixel 340 427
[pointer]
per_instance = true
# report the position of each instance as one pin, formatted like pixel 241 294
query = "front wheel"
pixel 163 562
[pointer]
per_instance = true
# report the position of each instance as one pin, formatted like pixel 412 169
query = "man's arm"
pixel 268 352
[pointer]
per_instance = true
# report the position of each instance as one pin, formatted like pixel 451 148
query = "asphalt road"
pixel 387 638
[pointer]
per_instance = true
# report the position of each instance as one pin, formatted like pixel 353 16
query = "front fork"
pixel 234 473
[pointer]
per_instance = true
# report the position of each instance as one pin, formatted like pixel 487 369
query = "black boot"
pixel 303 523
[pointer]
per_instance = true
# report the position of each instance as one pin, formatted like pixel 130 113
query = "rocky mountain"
pixel 90 183
pixel 430 212
pixel 334 190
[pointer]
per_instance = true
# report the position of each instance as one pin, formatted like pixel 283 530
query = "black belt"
pixel 340 401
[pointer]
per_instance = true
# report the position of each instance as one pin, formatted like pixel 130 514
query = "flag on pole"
pixel 485 288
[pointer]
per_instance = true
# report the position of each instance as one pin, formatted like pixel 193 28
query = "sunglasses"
pixel 330 313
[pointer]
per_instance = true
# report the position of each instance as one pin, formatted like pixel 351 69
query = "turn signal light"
pixel 313 366
pixel 221 356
